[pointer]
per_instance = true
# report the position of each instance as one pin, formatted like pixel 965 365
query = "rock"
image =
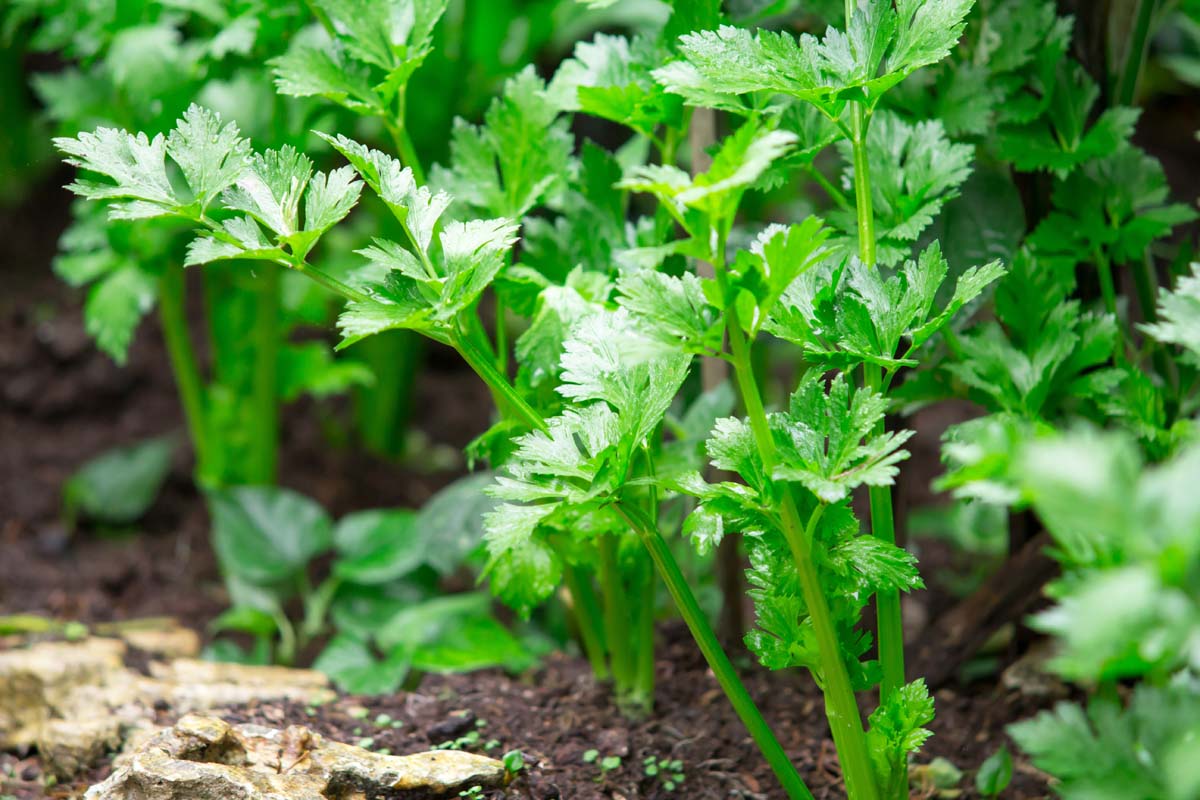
pixel 192 685
pixel 68 747
pixel 205 758
pixel 457 723
pixel 76 701
pixel 164 638
pixel 38 683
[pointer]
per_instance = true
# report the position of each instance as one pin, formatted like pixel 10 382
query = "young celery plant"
pixel 843 316
pixel 439 301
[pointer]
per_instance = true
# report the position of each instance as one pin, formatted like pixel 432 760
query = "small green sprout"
pixel 383 720
pixel 474 793
pixel 669 771
pixel 514 762
pixel 589 756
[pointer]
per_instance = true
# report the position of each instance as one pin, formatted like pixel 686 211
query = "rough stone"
pixel 38 683
pixel 68 747
pixel 77 701
pixel 204 758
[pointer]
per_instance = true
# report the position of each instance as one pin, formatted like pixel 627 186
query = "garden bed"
pixel 81 403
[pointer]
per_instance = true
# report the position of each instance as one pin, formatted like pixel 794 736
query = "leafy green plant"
pixel 381 593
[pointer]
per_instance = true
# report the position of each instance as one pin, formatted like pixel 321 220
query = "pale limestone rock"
pixel 77 701
pixel 170 641
pixel 38 683
pixel 68 747
pixel 192 685
pixel 205 758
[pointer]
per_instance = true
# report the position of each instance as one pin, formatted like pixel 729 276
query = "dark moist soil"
pixel 61 402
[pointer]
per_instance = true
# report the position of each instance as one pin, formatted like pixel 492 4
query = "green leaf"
pixel 609 77
pixel 414 206
pixel 672 309
pixel 240 237
pixel 453 633
pixel 378 546
pixel 742 159
pixel 1112 753
pixel 329 199
pixel 985 223
pixel 522 569
pixel 558 309
pixel 266 534
pixel 881 47
pixel 270 190
pixel 517 159
pixel 705 528
pixel 995 773
pixel 858 315
pixel 354 668
pixel 211 155
pixel 452 521
pixel 115 305
pixel 897 728
pixel 118 486
pixel 1179 314
pixel 1033 376
pixel 915 171
pixel 1115 204
pixel 1058 141
pixel 243 619
pixel 606 358
pixel 135 166
pixel 827 443
pixel 310 368
pixel 759 276
pixel 310 70
pixel 390 34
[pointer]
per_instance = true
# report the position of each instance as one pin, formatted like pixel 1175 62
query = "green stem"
pixel 384 407
pixel 862 188
pixel 501 336
pixel 1107 288
pixel 316 608
pixel 841 707
pixel 887 604
pixel 587 616
pixel 1136 54
pixel 331 283
pixel 399 133
pixel 702 632
pixel 264 430
pixel 507 397
pixel 644 657
pixel 171 312
pixel 616 616
pixel 835 194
